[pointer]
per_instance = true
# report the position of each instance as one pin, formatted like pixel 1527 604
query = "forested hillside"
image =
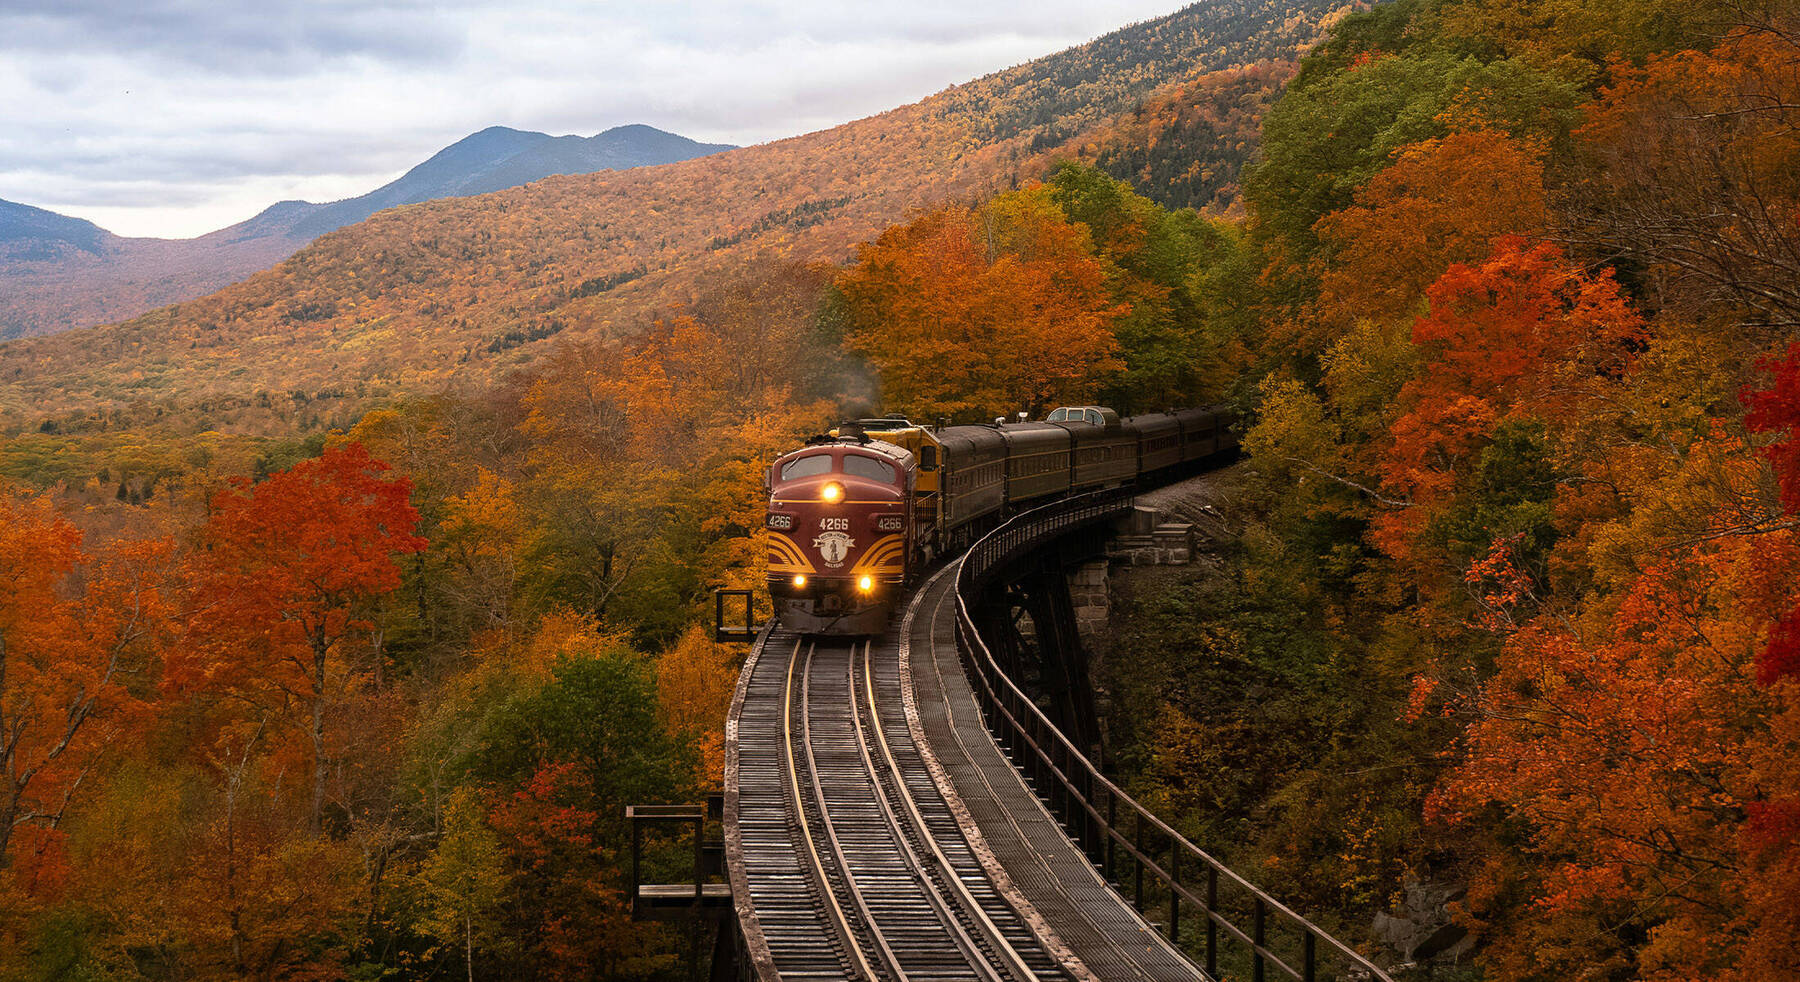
pixel 469 289
pixel 1187 145
pixel 1497 672
pixel 1504 643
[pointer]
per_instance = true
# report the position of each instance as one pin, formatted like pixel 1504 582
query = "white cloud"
pixel 172 117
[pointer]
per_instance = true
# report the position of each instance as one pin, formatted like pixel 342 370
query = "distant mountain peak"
pixel 497 158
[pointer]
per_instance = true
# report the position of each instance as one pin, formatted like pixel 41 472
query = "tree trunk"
pixel 315 823
pixel 9 813
pixel 231 897
pixel 381 861
pixel 469 944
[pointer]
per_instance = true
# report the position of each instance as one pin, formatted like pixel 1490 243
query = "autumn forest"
pixel 346 609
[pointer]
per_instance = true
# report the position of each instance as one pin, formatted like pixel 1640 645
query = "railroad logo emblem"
pixel 833 547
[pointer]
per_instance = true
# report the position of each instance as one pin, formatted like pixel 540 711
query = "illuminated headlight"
pixel 865 583
pixel 800 580
pixel 890 523
pixel 832 492
pixel 782 522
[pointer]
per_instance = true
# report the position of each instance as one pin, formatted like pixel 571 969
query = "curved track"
pixel 856 867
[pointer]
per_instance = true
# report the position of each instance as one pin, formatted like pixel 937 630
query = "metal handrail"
pixel 1029 729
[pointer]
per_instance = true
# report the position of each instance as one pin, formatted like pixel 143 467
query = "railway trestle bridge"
pixel 901 807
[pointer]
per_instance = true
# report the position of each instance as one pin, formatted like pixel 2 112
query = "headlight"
pixel 865 583
pixel 890 523
pixel 800 580
pixel 782 522
pixel 832 492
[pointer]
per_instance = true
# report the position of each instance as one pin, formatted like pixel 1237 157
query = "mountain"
pixel 58 272
pixel 494 159
pixel 33 233
pixel 468 289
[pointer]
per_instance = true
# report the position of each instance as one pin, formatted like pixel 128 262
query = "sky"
pixel 173 118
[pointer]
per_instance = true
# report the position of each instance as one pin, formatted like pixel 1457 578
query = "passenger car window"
pixel 857 465
pixel 806 467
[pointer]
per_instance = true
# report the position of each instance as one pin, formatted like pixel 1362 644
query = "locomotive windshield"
pixel 819 463
pixel 856 465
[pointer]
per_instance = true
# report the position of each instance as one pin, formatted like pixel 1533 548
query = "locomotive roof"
pixel 875 448
pixel 883 424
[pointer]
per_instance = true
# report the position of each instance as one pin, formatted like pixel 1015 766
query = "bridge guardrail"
pixel 1097 811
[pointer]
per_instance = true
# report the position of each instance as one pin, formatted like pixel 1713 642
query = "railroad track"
pixel 858 868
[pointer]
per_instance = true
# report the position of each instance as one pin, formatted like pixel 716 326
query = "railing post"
pixel 1309 962
pixel 1212 926
pixel 1137 858
pixel 1035 750
pixel 1061 756
pixel 1174 891
pixel 637 855
pixel 1112 825
pixel 699 856
pixel 1081 813
pixel 1259 936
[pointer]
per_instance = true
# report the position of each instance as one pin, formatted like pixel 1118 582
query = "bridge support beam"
pixel 1032 622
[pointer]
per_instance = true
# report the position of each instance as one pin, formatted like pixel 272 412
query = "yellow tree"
pixel 694 684
pixel 463 882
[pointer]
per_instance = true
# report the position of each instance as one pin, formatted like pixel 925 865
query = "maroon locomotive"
pixel 839 514
pixel 854 515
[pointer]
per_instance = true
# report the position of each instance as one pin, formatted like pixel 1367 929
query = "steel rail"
pixel 1013 962
pixel 939 904
pixel 840 920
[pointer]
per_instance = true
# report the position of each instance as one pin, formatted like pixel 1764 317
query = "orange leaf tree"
pixel 1443 201
pixel 976 311
pixel 1646 776
pixel 68 645
pixel 286 570
pixel 1524 335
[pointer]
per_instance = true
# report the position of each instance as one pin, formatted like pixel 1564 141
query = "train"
pixel 856 514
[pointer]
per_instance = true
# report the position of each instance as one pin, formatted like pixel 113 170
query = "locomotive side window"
pixel 857 465
pixel 806 467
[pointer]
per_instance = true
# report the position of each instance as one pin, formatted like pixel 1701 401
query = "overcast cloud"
pixel 176 117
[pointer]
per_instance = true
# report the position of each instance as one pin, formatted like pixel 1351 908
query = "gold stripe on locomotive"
pixel 785 556
pixel 887 555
